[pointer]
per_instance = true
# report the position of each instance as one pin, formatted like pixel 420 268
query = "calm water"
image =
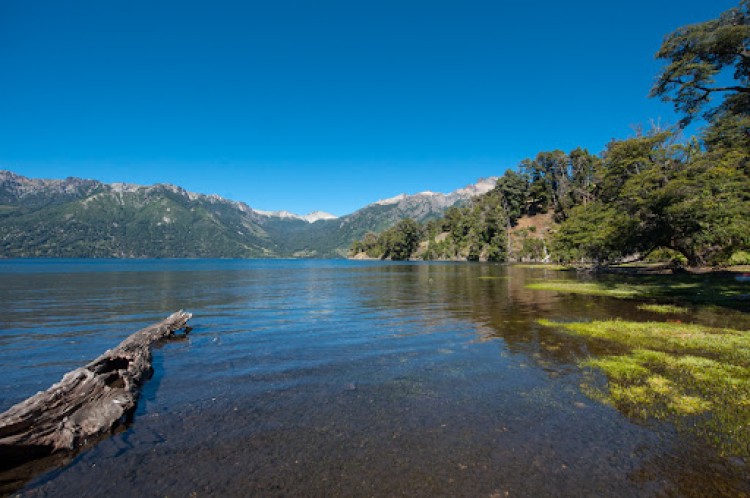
pixel 343 378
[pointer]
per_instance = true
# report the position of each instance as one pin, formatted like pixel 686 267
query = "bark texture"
pixel 87 402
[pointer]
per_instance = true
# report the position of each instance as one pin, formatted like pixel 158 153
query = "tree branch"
pixel 707 90
pixel 741 89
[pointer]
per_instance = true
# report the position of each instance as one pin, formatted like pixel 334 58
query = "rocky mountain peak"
pixel 318 215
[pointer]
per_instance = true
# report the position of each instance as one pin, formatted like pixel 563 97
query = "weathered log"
pixel 87 402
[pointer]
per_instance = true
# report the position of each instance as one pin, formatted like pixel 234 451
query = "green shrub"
pixel 663 254
pixel 739 258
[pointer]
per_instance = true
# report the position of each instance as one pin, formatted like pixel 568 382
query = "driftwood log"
pixel 87 402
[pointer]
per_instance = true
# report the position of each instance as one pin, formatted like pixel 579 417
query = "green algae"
pixel 719 290
pixel 663 308
pixel 589 288
pixel 543 266
pixel 696 377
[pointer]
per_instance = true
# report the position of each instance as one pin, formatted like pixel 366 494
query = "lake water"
pixel 340 378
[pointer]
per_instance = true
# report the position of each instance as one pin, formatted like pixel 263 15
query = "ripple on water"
pixel 342 378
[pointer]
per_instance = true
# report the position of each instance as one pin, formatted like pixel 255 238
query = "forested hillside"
pixel 86 218
pixel 332 238
pixel 656 191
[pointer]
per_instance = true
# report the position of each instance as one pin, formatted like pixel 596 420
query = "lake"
pixel 342 378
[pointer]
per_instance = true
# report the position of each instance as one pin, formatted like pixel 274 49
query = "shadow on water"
pixel 509 311
pixel 359 379
pixel 23 464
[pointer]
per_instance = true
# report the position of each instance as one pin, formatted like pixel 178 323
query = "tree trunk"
pixel 87 402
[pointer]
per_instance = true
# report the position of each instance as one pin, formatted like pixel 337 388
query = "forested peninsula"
pixel 658 194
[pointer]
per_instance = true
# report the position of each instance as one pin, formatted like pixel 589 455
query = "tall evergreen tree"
pixel 697 55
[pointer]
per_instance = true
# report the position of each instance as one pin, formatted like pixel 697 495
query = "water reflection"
pixel 341 378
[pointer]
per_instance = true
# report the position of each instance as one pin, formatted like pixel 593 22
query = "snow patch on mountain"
pixel 278 214
pixel 310 218
pixel 483 186
pixel 391 200
pixel 317 216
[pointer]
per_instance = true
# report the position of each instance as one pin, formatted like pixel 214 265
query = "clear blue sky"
pixel 330 105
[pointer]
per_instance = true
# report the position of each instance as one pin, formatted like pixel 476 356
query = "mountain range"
pixel 75 217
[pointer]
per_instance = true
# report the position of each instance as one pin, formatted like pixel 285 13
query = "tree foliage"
pixel 699 54
pixel 690 197
pixel 474 232
pixel 656 193
pixel 652 192
pixel 397 243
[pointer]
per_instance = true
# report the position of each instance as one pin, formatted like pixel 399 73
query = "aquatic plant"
pixel 620 290
pixel 543 266
pixel 662 308
pixel 694 376
pixel 689 288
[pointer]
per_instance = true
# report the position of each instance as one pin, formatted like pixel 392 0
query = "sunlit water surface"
pixel 324 378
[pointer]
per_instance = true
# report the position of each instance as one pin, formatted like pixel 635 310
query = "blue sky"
pixel 330 105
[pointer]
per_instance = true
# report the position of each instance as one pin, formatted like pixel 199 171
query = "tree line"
pixel 654 191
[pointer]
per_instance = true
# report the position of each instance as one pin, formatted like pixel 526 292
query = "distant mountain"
pixel 317 216
pixel 16 190
pixel 483 186
pixel 333 237
pixel 87 218
pixel 310 218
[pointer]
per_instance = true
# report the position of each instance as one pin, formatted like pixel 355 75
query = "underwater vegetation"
pixel 542 266
pixel 663 308
pixel 696 377
pixel 698 289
